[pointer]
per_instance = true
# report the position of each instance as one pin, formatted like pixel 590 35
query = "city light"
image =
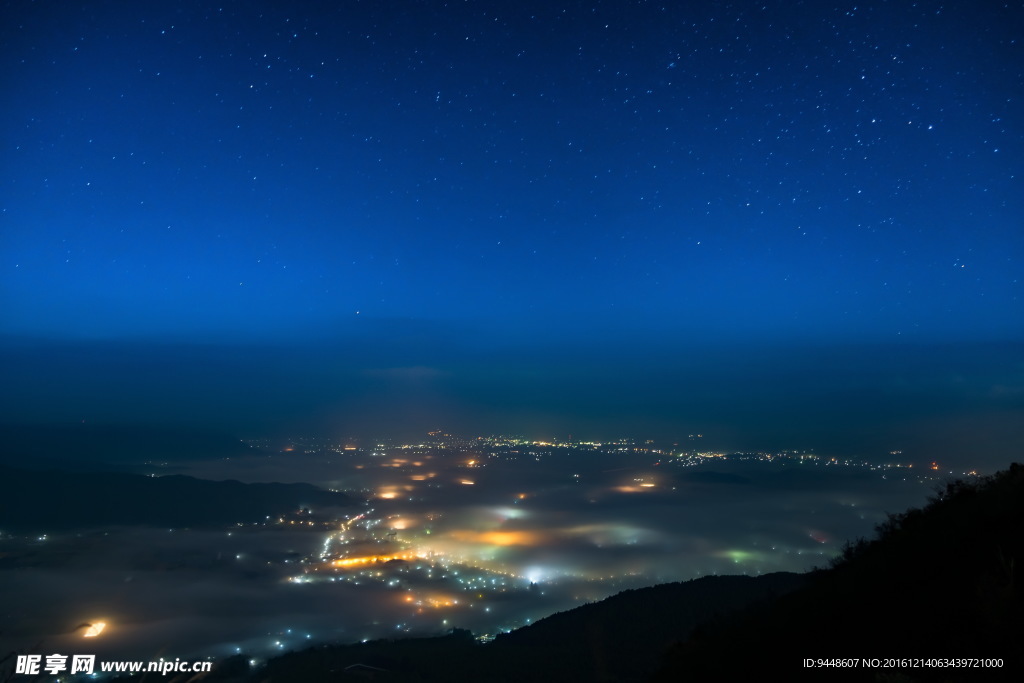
pixel 94 629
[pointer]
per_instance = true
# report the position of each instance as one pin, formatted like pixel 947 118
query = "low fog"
pixel 542 534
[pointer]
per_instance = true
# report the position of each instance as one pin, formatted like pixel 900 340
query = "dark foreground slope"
pixel 621 638
pixel 624 637
pixel 937 583
pixel 55 500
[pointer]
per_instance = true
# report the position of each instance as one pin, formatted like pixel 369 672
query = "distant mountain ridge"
pixel 55 500
pixel 89 446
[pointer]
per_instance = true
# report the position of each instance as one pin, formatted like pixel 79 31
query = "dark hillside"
pixel 940 582
pixel 621 638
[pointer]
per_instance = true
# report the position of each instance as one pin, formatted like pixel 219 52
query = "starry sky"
pixel 539 215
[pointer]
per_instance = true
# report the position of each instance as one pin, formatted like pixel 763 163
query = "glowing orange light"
pixel 95 629
pixel 370 559
pixel 502 538
pixel 440 600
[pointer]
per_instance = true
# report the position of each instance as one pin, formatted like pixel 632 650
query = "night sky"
pixel 787 224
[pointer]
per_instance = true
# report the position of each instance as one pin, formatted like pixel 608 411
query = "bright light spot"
pixel 499 538
pixel 504 513
pixel 738 556
pixel 535 574
pixel 95 629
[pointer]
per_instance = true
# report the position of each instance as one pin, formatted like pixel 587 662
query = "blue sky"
pixel 461 186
